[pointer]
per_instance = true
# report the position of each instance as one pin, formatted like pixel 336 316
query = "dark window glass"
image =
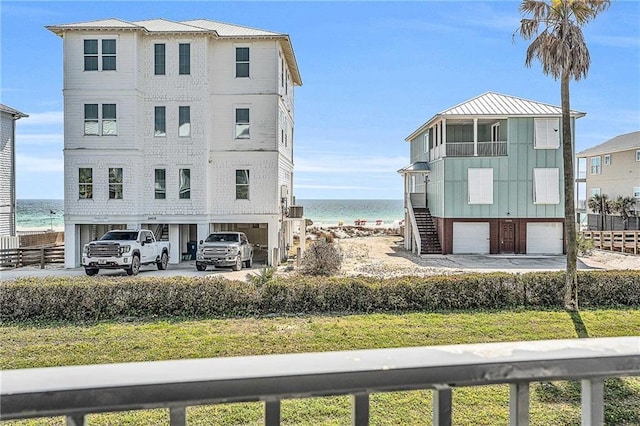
pixel 185 184
pixel 91 55
pixel 160 184
pixel 242 62
pixel 242 184
pixel 159 59
pixel 108 55
pixel 160 119
pixel 184 58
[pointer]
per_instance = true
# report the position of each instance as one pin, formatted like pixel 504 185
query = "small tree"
pixel 321 258
pixel 600 205
pixel 625 207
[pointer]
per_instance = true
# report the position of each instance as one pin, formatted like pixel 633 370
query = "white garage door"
pixel 470 237
pixel 544 238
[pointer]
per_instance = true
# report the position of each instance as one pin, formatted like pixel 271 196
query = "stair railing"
pixel 415 232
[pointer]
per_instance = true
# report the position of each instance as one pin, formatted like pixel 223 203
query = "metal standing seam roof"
pixel 204 26
pixel 496 105
pixel 624 142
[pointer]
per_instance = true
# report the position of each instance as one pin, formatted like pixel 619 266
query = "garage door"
pixel 544 238
pixel 470 237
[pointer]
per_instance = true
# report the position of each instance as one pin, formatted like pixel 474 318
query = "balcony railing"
pixel 485 149
pixel 78 390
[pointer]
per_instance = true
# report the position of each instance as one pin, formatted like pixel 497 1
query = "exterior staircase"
pixel 427 230
pixel 162 232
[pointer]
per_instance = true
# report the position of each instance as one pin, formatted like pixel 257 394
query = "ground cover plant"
pixel 39 344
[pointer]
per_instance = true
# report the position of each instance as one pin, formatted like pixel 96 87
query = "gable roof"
pixel 491 104
pixel 197 26
pixel 14 112
pixel 628 141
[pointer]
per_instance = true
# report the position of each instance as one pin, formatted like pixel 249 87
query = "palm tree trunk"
pixel 571 278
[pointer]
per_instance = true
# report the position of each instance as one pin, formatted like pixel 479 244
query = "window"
pixel 495 132
pixel 595 165
pixel 109 127
pixel 547 133
pixel 160 184
pixel 638 155
pixel 242 62
pixel 607 160
pixel 242 123
pixel 94 125
pixel 91 119
pixel 115 183
pixel 85 183
pixel 109 55
pixel 636 192
pixel 92 55
pixel 159 59
pixel 185 184
pixel 184 121
pixel 184 57
pixel 546 186
pixel 160 121
pixel 480 186
pixel 242 184
pixel 593 192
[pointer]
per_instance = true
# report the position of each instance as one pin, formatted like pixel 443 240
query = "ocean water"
pixel 43 214
pixel 37 213
pixel 330 212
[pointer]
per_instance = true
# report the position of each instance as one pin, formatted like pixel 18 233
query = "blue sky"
pixel 373 72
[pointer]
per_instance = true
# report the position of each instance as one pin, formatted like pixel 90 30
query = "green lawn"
pixel 29 345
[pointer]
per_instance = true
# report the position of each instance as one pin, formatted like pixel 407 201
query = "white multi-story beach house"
pixel 183 128
pixel 8 118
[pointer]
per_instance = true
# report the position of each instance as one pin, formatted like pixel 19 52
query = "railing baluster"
pixel 592 402
pixel 519 404
pixel 360 409
pixel 442 407
pixel 76 420
pixel 272 413
pixel 178 416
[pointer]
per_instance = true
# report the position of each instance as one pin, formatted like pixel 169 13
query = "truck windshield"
pixel 213 238
pixel 126 236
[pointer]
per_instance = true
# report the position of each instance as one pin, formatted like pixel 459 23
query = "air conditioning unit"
pixel 284 191
pixel 296 212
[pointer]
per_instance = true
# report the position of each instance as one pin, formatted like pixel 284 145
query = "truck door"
pixel 147 249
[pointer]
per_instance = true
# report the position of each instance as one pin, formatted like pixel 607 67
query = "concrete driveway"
pixel 184 269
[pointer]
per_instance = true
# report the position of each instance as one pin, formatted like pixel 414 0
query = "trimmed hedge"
pixel 90 299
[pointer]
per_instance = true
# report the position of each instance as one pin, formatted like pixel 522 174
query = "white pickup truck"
pixel 225 249
pixel 126 250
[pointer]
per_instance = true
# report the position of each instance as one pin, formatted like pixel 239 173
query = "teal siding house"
pixel 486 177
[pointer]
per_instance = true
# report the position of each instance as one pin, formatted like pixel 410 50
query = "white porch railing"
pixel 78 390
pixel 466 149
pixel 416 247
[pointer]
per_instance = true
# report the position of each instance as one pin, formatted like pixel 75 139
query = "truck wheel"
pixel 135 265
pixel 91 271
pixel 201 266
pixel 238 265
pixel 162 264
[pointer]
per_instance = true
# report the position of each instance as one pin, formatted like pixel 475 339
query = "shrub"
pixel 321 258
pixel 584 245
pixel 107 298
pixel 260 278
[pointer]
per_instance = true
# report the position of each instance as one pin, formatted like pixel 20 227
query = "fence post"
pixel 42 258
pixel 298 256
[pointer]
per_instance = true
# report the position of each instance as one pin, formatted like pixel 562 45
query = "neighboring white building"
pixel 8 118
pixel 179 127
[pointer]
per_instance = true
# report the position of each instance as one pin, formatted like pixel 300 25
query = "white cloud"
pixel 42 118
pixel 40 139
pixel 26 163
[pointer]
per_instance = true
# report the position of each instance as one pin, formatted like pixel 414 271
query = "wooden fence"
pixel 17 257
pixel 622 241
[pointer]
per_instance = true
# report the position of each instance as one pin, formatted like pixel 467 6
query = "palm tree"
pixel 600 205
pixel 624 206
pixel 560 47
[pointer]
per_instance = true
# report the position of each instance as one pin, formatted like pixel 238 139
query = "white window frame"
pixel 595 169
pixel 160 185
pixel 100 55
pixel 546 133
pixel 159 59
pixel 593 192
pixel 546 186
pixel 246 62
pixel 104 126
pixel 116 186
pixel 85 189
pixel 495 132
pixel 182 55
pixel 480 185
pixel 159 127
pixel 242 129
pixel 638 155
pixel 241 184
pixel 184 127
pixel 636 194
pixel 184 184
pixel 607 159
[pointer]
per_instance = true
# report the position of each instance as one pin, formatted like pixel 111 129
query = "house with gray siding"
pixel 486 176
pixel 8 118
pixel 182 128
